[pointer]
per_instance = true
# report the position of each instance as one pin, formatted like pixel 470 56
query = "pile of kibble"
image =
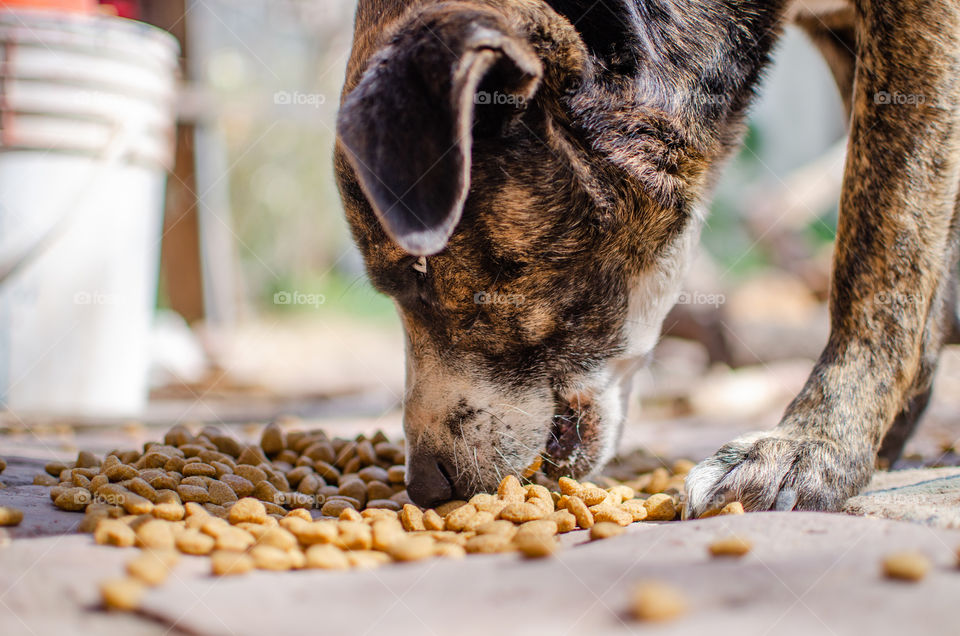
pixel 301 500
pixel 255 506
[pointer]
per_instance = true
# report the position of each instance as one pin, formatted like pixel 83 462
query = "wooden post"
pixel 180 256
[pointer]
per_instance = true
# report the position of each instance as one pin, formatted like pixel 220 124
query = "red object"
pixel 124 8
pixel 75 6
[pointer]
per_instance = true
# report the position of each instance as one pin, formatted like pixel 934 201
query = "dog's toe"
pixel 766 471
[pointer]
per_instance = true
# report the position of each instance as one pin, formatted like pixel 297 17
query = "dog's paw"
pixel 770 471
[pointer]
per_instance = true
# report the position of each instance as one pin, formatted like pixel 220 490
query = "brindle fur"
pixel 577 201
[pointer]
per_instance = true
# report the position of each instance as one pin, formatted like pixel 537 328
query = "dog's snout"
pixel 429 481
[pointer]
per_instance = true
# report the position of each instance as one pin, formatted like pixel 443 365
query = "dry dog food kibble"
pixel 533 468
pixel 45 480
pixel 605 530
pixel 326 557
pixel 580 511
pixel 654 601
pixel 266 557
pixel 122 594
pixel 256 506
pixel 114 532
pixel 152 567
pixel 535 546
pixel 154 534
pixel 223 563
pixel 412 518
pixel 248 510
pixel 487 543
pixel 412 548
pixel 194 542
pixel 732 508
pixel 733 546
pixel 10 516
pixel 660 507
pixel 564 520
pixel 906 566
pixel 613 514
pixel 432 520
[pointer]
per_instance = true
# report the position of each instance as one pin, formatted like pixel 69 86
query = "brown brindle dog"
pixel 525 178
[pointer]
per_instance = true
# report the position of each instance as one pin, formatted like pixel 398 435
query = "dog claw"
pixel 786 500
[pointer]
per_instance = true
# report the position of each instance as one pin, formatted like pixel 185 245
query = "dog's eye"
pixel 421 265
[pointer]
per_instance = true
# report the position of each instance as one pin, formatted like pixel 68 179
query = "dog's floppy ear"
pixel 406 126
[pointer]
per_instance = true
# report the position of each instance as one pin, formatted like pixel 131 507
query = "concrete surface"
pixel 928 496
pixel 808 573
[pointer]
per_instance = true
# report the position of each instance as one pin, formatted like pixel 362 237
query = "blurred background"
pixel 262 307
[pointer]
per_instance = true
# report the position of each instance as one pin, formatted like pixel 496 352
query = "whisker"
pixel 529 448
pixel 515 408
pixel 465 447
pixel 476 462
pixel 509 464
pixel 519 442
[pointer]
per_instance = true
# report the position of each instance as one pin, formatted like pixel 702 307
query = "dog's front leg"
pixel 891 267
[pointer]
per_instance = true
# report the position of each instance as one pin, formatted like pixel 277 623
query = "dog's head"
pixel 530 229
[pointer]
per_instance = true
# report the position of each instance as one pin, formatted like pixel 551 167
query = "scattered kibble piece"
pixel 412 518
pixel 45 480
pixel 122 594
pixel 114 532
pixel 653 601
pixel 609 513
pixel 906 566
pixel 564 520
pixel 659 481
pixel 635 508
pixel 432 520
pixel 155 534
pixel 532 469
pixel 152 567
pixel 226 563
pixel 10 516
pixel 248 510
pixel 194 542
pixel 412 548
pixel 605 530
pixel 488 543
pixel 732 546
pixel 580 511
pixel 326 557
pixel 266 557
pixel 660 507
pixel 732 508
pixel 535 545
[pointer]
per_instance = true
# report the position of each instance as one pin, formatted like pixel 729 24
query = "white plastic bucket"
pixel 86 138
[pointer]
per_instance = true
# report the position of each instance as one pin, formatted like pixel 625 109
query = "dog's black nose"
pixel 428 480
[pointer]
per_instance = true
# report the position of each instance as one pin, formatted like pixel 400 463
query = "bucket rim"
pixel 25 23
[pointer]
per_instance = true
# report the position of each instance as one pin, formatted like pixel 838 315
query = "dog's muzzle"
pixel 429 480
